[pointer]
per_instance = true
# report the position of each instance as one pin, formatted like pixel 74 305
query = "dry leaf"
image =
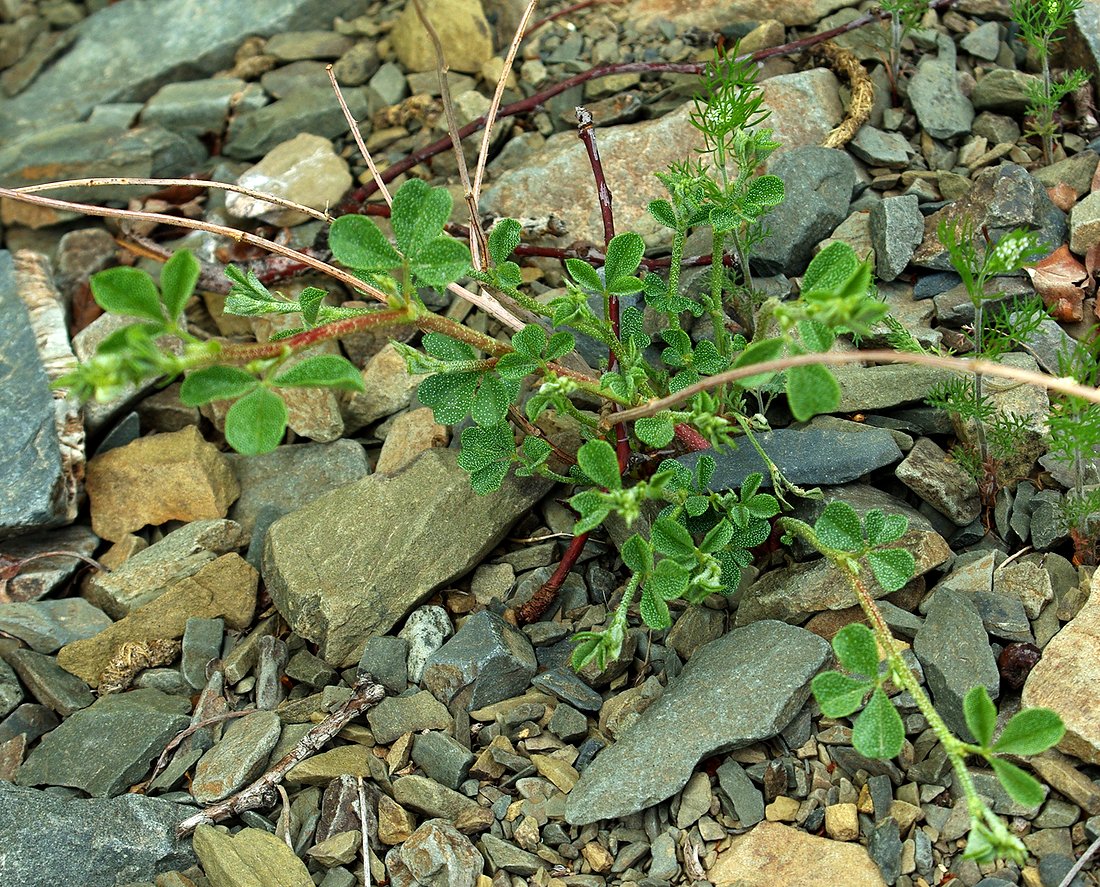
pixel 1060 279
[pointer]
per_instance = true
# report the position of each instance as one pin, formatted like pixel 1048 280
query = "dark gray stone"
pixel 307 109
pixel 819 184
pixel 882 795
pixel 568 724
pixel 745 798
pixel 953 647
pixel 488 654
pixel 200 106
pixel 32 478
pixel 897 229
pixel 442 758
pixel 880 148
pixel 202 641
pixel 983 42
pixel 885 849
pixel 46 626
pixel 929 473
pixel 107 747
pixel 43 623
pixel 741 688
pixel 396 715
pixel 92 842
pixel 385 658
pixel 30 720
pixel 50 684
pixel 1003 616
pixel 269 672
pixel 192 39
pixel 1053 869
pixel 806 456
pixel 505 855
pixel 306 668
pixel 937 100
pixel 564 683
pixel 11 691
pixel 1004 91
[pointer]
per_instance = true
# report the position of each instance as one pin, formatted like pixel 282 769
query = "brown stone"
pixel 395 823
pixel 774 855
pixel 410 435
pixel 177 476
pixel 226 588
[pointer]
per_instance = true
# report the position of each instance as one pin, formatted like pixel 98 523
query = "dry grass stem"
pixel 358 136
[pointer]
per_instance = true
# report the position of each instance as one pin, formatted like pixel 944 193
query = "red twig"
pixel 544 597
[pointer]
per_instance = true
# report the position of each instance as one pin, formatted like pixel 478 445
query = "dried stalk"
pixel 365 694
pixel 358 136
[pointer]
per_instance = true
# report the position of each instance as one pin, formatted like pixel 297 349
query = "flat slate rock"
pixel 806 456
pixel 92 842
pixel 737 690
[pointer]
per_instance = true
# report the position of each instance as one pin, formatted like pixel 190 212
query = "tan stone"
pixel 176 476
pixel 225 587
pixel 905 814
pixel 353 760
pixel 842 822
pixel 562 774
pixel 463 31
pixel 410 435
pixel 1066 677
pixel 598 857
pixel 395 823
pixel 782 809
pixel 717 14
pixel 773 855
pixel 250 858
pixel 389 388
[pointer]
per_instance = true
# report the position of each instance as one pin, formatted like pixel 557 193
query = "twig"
pixel 167 183
pixel 989 367
pixel 1080 864
pixel 363 830
pixel 162 761
pixel 358 136
pixel 532 611
pixel 365 694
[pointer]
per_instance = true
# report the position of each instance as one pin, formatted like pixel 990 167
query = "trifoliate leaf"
pixel 758 352
pixel 893 528
pixel 450 395
pixel 856 649
pixel 515 366
pixel 592 508
pixel 811 390
pixel 707 360
pixel 624 255
pixel 177 282
pixel 763 505
pixel 654 431
pixel 704 471
pixel 494 396
pixel 672 538
pixel 696 505
pixel 216 383
pixel 256 423
pixel 322 371
pixel 487 454
pixel 654 610
pixel 357 242
pixel 873 523
pixel 584 275
pixel 893 567
pixel 598 461
pixel 980 714
pixel 878 731
pixel 723 220
pixel 839 527
pixel 418 215
pixel 441 262
pixel 533 453
pixel 560 344
pixel 838 695
pixel 530 341
pixel 1030 732
pixel 127 291
pixel 503 239
pixel 1022 787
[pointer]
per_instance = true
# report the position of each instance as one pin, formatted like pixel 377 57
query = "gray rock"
pixel 487 654
pixel 354 562
pixel 49 683
pixel 32 479
pixel 107 747
pixel 98 843
pixel 1047 528
pixel 745 798
pixel 897 229
pixel 564 683
pixel 442 758
pixel 425 631
pixel 880 148
pixel 192 40
pixel 273 655
pixel 819 184
pixel 396 715
pixel 939 103
pixel 386 660
pixel 200 106
pixel 996 129
pixel 885 386
pixel 805 456
pixel 309 109
pixel 358 64
pixel 430 798
pixel 929 473
pixel 202 641
pixel 46 626
pixel 954 650
pixel 238 758
pixel 291 46
pixel 306 668
pixel 568 724
pixel 507 857
pixel 435 855
pixel 1084 224
pixel 983 42
pixel 389 83
pixel 663 864
pixel 884 849
pixel 740 689
pixel 1027 582
pixel 11 692
pixel 1003 616
pixel 43 575
pixel 30 721
pixel 1076 171
pixel 1003 90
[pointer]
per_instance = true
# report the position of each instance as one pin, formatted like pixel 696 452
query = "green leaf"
pixel 560 344
pixel 1030 732
pixel 450 395
pixel 839 527
pixel 763 506
pixel 696 505
pixel 494 396
pixel 441 262
pixel 359 243
pixel 669 579
pixel 856 649
pixel 322 371
pixel 177 282
pixel 662 211
pixel 758 352
pixel 418 215
pixel 718 537
pixel 503 239
pixel 515 366
pixel 873 523
pixel 584 275
pixel 654 610
pixel 310 299
pixel 598 461
pixel 593 509
pixel 830 270
pixel 707 359
pixel 815 335
pixel 446 348
pixel 530 341
pixel 765 191
pixel 256 423
pixel 722 219
pixel 838 694
pixel 590 645
pixel 533 453
pixel 878 731
pixel 893 528
pixel 1022 787
pixel 127 291
pixel 811 390
pixel 655 431
pixel 704 471
pixel 216 383
pixel 487 454
pixel 637 554
pixel 893 567
pixel 672 538
pixel 624 255
pixel 980 714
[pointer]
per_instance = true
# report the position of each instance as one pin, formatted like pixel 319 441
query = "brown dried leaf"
pixel 1059 279
pixel 133 657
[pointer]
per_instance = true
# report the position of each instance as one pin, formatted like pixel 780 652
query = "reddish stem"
pixel 541 600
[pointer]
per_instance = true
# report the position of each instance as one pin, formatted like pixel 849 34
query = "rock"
pixel 716 14
pixel 107 747
pixel 153 570
pixel 885 386
pixel 307 108
pixel 93 842
pixel 202 641
pixel 897 228
pixel 954 651
pixel 880 148
pixel 250 857
pixel 775 855
pixel 819 184
pixel 358 64
pixel 1027 582
pixel 46 626
pixel 389 388
pixel 940 482
pixel 225 587
pixel 564 683
pixel 463 31
pixel 425 631
pixel 196 107
pixel 983 42
pixel 395 716
pixel 33 477
pixel 11 694
pixel 410 435
pixel 940 106
pixel 1084 224
pixel 321 769
pixel 695 628
pixel 304 169
pixel 177 476
pixel 48 682
pixel 1061 679
pixel 442 758
pixel 395 823
pixel 842 822
pixel 487 654
pixel 504 856
pixel 432 799
pixel 386 660
pixel 294 45
pixel 884 849
pixel 340 581
pixel 238 758
pixel 741 688
pixel 1004 90
pixel 805 107
pixel 1003 616
pixel 436 855
pixel 805 456
pixel 744 797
